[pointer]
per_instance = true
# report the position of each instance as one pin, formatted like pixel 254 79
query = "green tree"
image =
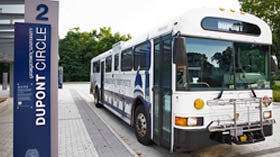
pixel 77 49
pixel 269 11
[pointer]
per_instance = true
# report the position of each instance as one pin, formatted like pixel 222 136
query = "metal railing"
pixel 232 125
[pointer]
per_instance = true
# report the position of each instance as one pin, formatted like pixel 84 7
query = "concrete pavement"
pixel 81 131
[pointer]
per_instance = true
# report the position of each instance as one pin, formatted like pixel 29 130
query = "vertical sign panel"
pixel 46 12
pixel 32 90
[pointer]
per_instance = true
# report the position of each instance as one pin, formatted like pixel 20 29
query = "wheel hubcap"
pixel 141 124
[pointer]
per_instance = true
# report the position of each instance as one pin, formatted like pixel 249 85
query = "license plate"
pixel 239 132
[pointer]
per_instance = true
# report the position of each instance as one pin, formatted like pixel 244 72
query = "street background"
pixel 88 131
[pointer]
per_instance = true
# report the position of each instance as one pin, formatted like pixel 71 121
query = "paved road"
pixel 270 147
pixel 81 132
pixel 87 131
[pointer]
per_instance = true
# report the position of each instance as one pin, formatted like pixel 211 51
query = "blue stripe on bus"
pixel 147 86
pixel 117 110
pixel 147 77
pixel 138 80
pixel 121 98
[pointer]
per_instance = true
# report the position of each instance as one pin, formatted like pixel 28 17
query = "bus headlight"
pixel 188 121
pixel 267 114
pixel 192 121
pixel 198 104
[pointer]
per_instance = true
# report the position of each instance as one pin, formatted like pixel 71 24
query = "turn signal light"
pixel 188 121
pixel 180 121
pixel 198 104
pixel 267 101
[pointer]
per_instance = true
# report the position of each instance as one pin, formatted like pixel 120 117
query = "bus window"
pixel 140 56
pixel 252 68
pixel 209 61
pixel 109 64
pixel 116 59
pixel 96 67
pixel 126 60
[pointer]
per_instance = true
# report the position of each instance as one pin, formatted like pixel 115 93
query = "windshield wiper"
pixel 220 94
pixel 253 92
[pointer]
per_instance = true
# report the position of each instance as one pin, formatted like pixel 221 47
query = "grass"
pixel 276 92
pixel 276 95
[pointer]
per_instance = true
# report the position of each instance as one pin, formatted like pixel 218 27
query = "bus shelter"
pixel 11 11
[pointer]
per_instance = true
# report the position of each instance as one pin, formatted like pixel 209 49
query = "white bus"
pixel 201 79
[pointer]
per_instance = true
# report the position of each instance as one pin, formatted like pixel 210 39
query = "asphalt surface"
pixel 85 130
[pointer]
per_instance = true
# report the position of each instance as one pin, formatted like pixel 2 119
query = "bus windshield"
pixel 215 64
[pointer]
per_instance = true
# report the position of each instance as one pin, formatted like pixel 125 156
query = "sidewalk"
pixel 6 128
pixel 81 131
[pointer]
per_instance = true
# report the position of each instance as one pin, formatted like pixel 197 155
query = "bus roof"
pixel 190 24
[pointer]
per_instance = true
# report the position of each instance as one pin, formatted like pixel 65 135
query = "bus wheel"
pixel 142 126
pixel 96 99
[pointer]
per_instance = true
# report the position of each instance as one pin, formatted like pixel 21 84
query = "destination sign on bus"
pixel 231 26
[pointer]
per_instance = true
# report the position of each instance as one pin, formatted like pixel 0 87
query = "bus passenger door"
pixel 162 91
pixel 102 81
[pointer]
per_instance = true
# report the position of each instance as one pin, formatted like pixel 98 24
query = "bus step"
pixel 249 137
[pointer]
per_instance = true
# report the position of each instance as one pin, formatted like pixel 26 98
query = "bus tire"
pixel 142 125
pixel 96 100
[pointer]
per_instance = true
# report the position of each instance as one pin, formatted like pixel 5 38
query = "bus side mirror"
pixel 179 51
pixel 274 65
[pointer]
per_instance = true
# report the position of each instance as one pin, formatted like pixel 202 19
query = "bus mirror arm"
pixel 179 51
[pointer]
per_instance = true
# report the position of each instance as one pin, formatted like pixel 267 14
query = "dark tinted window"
pixel 215 64
pixel 141 56
pixel 109 64
pixel 116 58
pixel 96 67
pixel 126 60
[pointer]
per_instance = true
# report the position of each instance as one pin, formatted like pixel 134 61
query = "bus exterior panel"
pixel 219 93
pixel 191 25
pixel 218 118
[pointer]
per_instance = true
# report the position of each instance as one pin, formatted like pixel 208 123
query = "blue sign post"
pixel 32 98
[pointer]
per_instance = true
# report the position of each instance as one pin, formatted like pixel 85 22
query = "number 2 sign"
pixel 44 13
pixel 43 9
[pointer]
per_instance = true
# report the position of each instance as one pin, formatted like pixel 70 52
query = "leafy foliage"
pixel 77 49
pixel 269 11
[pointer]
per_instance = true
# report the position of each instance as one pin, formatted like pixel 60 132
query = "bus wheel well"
pixel 138 101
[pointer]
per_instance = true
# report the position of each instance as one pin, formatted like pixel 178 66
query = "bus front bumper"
pixel 241 133
pixel 190 140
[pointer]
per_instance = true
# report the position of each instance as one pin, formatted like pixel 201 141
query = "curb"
pixel 110 128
